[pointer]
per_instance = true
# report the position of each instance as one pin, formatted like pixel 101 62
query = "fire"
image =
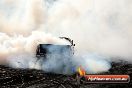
pixel 81 71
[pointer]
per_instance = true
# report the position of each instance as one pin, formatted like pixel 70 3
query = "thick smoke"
pixel 100 29
pixel 18 44
pixel 97 26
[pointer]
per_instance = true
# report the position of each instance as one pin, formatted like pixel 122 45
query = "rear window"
pixel 57 49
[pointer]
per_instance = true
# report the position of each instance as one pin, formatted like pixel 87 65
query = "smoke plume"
pixel 101 30
pixel 97 26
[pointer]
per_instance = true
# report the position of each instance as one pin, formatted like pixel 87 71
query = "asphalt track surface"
pixel 31 78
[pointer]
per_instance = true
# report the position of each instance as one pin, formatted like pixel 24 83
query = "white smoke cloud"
pixel 102 27
pixel 97 26
pixel 93 63
pixel 18 44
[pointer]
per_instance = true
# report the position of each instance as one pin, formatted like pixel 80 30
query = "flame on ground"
pixel 81 71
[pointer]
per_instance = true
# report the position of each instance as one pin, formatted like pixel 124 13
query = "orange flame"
pixel 81 71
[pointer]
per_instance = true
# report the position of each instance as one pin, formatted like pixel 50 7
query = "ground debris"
pixel 31 78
